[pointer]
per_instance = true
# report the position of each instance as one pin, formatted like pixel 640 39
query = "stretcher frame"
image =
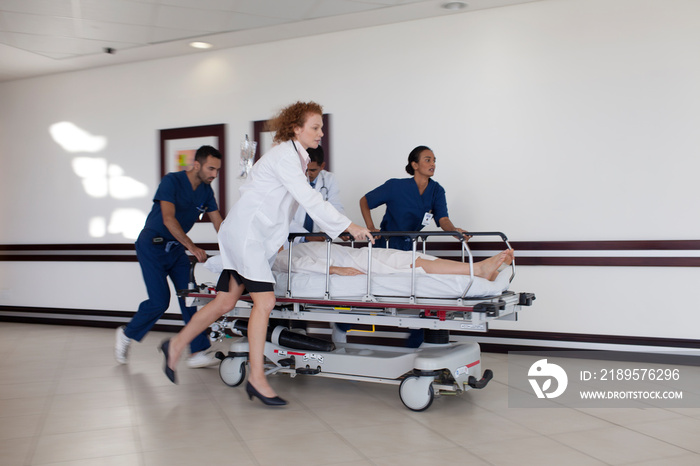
pixel 438 367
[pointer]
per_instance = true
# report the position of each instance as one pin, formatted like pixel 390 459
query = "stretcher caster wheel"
pixel 232 371
pixel 416 393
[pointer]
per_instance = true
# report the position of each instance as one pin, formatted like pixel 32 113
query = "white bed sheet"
pixel 313 285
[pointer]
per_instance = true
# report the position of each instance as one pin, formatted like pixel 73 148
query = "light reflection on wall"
pixel 101 179
pixel 97 227
pixel 128 222
pixel 73 139
pixel 124 187
pixel 93 173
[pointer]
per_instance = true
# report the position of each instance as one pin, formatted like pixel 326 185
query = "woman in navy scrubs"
pixel 411 203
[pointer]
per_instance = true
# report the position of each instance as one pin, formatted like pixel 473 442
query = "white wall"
pixel 553 120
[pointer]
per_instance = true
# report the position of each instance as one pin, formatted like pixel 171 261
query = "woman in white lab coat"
pixel 253 232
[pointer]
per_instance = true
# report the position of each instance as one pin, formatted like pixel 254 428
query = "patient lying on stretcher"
pixel 311 258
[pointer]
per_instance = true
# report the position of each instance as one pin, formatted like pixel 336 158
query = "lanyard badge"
pixel 201 209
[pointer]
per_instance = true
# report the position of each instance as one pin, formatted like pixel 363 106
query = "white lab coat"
pixel 328 187
pixel 258 224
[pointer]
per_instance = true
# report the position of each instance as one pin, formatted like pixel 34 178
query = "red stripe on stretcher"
pixel 336 303
pixel 292 353
pixel 473 364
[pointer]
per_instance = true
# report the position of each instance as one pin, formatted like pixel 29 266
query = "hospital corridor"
pixel 64 401
pixel 414 232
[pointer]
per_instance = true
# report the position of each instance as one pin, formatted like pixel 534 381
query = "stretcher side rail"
pixel 470 313
pixel 415 236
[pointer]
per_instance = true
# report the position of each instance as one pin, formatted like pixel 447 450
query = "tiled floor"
pixel 64 401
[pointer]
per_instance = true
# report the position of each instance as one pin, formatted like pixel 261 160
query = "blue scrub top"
pixel 189 203
pixel 406 207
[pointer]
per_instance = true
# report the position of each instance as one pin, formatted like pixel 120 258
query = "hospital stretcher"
pixel 438 367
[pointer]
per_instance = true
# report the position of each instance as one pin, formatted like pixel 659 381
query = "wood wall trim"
pixel 635 245
pixel 610 261
pixel 655 245
pixel 67 258
pixel 67 247
pixel 637 250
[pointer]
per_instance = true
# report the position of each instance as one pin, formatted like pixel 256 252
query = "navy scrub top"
pixel 406 208
pixel 189 203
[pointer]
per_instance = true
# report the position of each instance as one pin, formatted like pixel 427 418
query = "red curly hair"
pixel 290 117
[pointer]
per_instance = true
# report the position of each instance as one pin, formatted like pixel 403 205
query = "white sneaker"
pixel 202 359
pixel 121 346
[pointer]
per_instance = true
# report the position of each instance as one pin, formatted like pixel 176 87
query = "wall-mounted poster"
pixel 177 149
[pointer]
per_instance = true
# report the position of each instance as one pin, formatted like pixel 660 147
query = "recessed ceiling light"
pixel 454 5
pixel 201 45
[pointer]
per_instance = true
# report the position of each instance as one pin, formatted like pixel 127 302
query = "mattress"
pixel 313 285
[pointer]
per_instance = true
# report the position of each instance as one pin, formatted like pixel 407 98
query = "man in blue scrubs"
pixel 322 181
pixel 181 199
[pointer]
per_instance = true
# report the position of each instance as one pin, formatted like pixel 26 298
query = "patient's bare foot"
pixel 510 254
pixel 488 268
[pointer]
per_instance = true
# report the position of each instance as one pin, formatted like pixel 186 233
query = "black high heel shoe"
pixel 165 349
pixel 252 392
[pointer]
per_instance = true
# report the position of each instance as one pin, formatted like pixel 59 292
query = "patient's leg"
pixel 487 268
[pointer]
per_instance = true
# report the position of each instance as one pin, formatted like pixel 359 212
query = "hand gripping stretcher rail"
pixel 437 367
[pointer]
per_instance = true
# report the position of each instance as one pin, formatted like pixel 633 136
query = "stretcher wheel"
pixel 416 393
pixel 232 371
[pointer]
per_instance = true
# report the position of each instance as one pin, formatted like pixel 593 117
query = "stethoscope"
pixel 323 186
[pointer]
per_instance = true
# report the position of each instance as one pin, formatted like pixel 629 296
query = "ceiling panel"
pixel 192 19
pixel 38 7
pixel 170 35
pixel 335 7
pixel 38 24
pixel 291 10
pixel 117 33
pixel 118 11
pixel 49 36
pixel 59 47
pixel 239 21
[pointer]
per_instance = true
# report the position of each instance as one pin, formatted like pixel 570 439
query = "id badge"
pixel 427 218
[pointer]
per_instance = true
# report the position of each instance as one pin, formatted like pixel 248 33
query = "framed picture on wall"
pixel 177 149
pixel 264 136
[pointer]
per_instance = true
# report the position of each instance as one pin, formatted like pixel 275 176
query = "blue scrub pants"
pixel 157 263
